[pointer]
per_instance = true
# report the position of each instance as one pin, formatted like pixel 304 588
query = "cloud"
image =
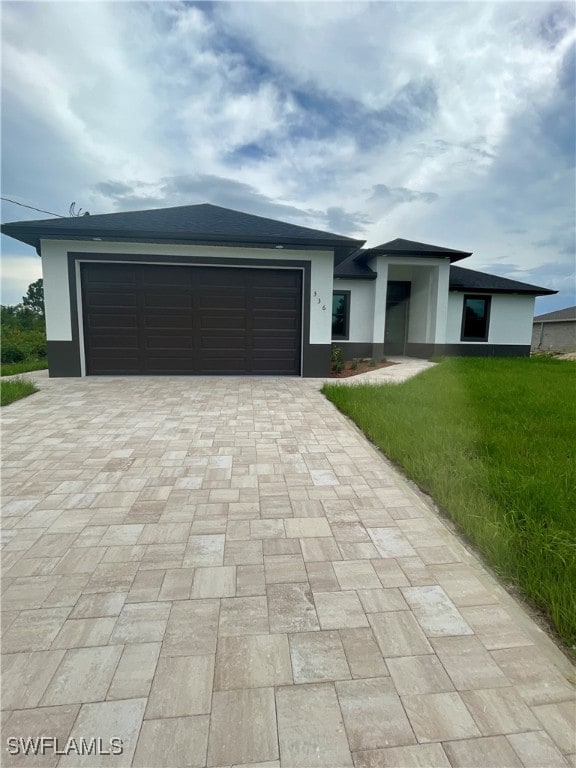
pixel 299 112
pixel 346 222
pixel 397 195
pixel 18 271
pixel 556 23
pixel 562 242
pixel 113 189
pixel 190 189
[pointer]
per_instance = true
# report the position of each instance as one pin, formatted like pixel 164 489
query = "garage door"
pixel 141 319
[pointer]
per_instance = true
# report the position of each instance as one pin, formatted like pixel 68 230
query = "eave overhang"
pixel 33 236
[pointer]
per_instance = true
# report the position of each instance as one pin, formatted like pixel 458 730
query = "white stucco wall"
pixel 380 266
pixel 510 319
pixel 56 296
pixel 361 307
pixel 442 288
pixel 55 270
pixel 421 294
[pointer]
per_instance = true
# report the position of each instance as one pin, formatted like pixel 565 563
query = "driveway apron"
pixel 225 572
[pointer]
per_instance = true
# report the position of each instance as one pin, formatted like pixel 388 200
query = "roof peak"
pixel 404 245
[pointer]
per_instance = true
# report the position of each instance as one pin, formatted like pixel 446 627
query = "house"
pixel 555 331
pixel 201 289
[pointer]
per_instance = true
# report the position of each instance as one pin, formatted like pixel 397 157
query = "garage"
pixel 157 319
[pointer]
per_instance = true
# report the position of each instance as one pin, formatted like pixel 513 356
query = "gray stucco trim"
pixel 467 350
pixel 316 361
pixel 354 349
pixel 310 364
pixel 63 359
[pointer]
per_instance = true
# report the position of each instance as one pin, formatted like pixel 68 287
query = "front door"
pixel 397 306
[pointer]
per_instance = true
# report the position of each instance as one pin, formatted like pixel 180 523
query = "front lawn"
pixel 493 442
pixel 15 389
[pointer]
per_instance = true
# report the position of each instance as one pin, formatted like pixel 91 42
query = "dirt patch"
pixel 362 366
pixel 566 356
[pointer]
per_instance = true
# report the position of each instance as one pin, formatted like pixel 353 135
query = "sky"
pixel 446 123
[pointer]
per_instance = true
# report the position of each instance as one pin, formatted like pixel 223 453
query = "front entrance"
pixel 397 306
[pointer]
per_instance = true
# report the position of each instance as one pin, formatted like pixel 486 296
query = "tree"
pixel 34 299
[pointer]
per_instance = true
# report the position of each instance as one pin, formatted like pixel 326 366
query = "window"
pixel 475 318
pixel 340 314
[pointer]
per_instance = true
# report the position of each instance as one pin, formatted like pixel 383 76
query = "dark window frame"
pixel 346 335
pixel 488 304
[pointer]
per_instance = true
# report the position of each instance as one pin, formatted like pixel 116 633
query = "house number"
pixel 320 301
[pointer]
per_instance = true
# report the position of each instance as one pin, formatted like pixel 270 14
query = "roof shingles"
pixel 199 223
pixel 402 247
pixel 568 314
pixel 481 282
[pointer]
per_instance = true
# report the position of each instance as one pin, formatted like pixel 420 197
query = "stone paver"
pixel 223 571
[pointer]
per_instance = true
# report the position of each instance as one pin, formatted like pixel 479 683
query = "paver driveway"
pixel 224 571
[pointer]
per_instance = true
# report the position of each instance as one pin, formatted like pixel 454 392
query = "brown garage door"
pixel 141 319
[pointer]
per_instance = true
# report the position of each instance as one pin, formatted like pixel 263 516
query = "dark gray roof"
pixel 481 282
pixel 354 269
pixel 560 315
pixel 188 223
pixel 401 247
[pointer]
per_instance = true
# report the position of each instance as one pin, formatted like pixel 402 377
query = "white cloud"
pixel 17 272
pixel 462 111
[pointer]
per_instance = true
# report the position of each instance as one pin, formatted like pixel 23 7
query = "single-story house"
pixel 555 331
pixel 201 289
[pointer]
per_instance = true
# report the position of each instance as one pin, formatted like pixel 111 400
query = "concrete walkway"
pixel 405 368
pixel 224 572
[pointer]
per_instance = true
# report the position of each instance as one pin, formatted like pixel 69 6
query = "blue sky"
pixel 449 123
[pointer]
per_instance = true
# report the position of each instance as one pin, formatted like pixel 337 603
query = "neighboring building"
pixel 555 331
pixel 206 290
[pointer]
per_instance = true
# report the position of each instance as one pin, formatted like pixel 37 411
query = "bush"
pixel 337 360
pixel 19 345
pixel 11 353
pixel 35 344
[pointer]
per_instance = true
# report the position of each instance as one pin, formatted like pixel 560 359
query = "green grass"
pixel 493 442
pixel 15 390
pixel 10 369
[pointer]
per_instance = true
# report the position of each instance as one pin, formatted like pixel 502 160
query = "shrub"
pixel 34 344
pixel 11 353
pixel 337 360
pixel 19 344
